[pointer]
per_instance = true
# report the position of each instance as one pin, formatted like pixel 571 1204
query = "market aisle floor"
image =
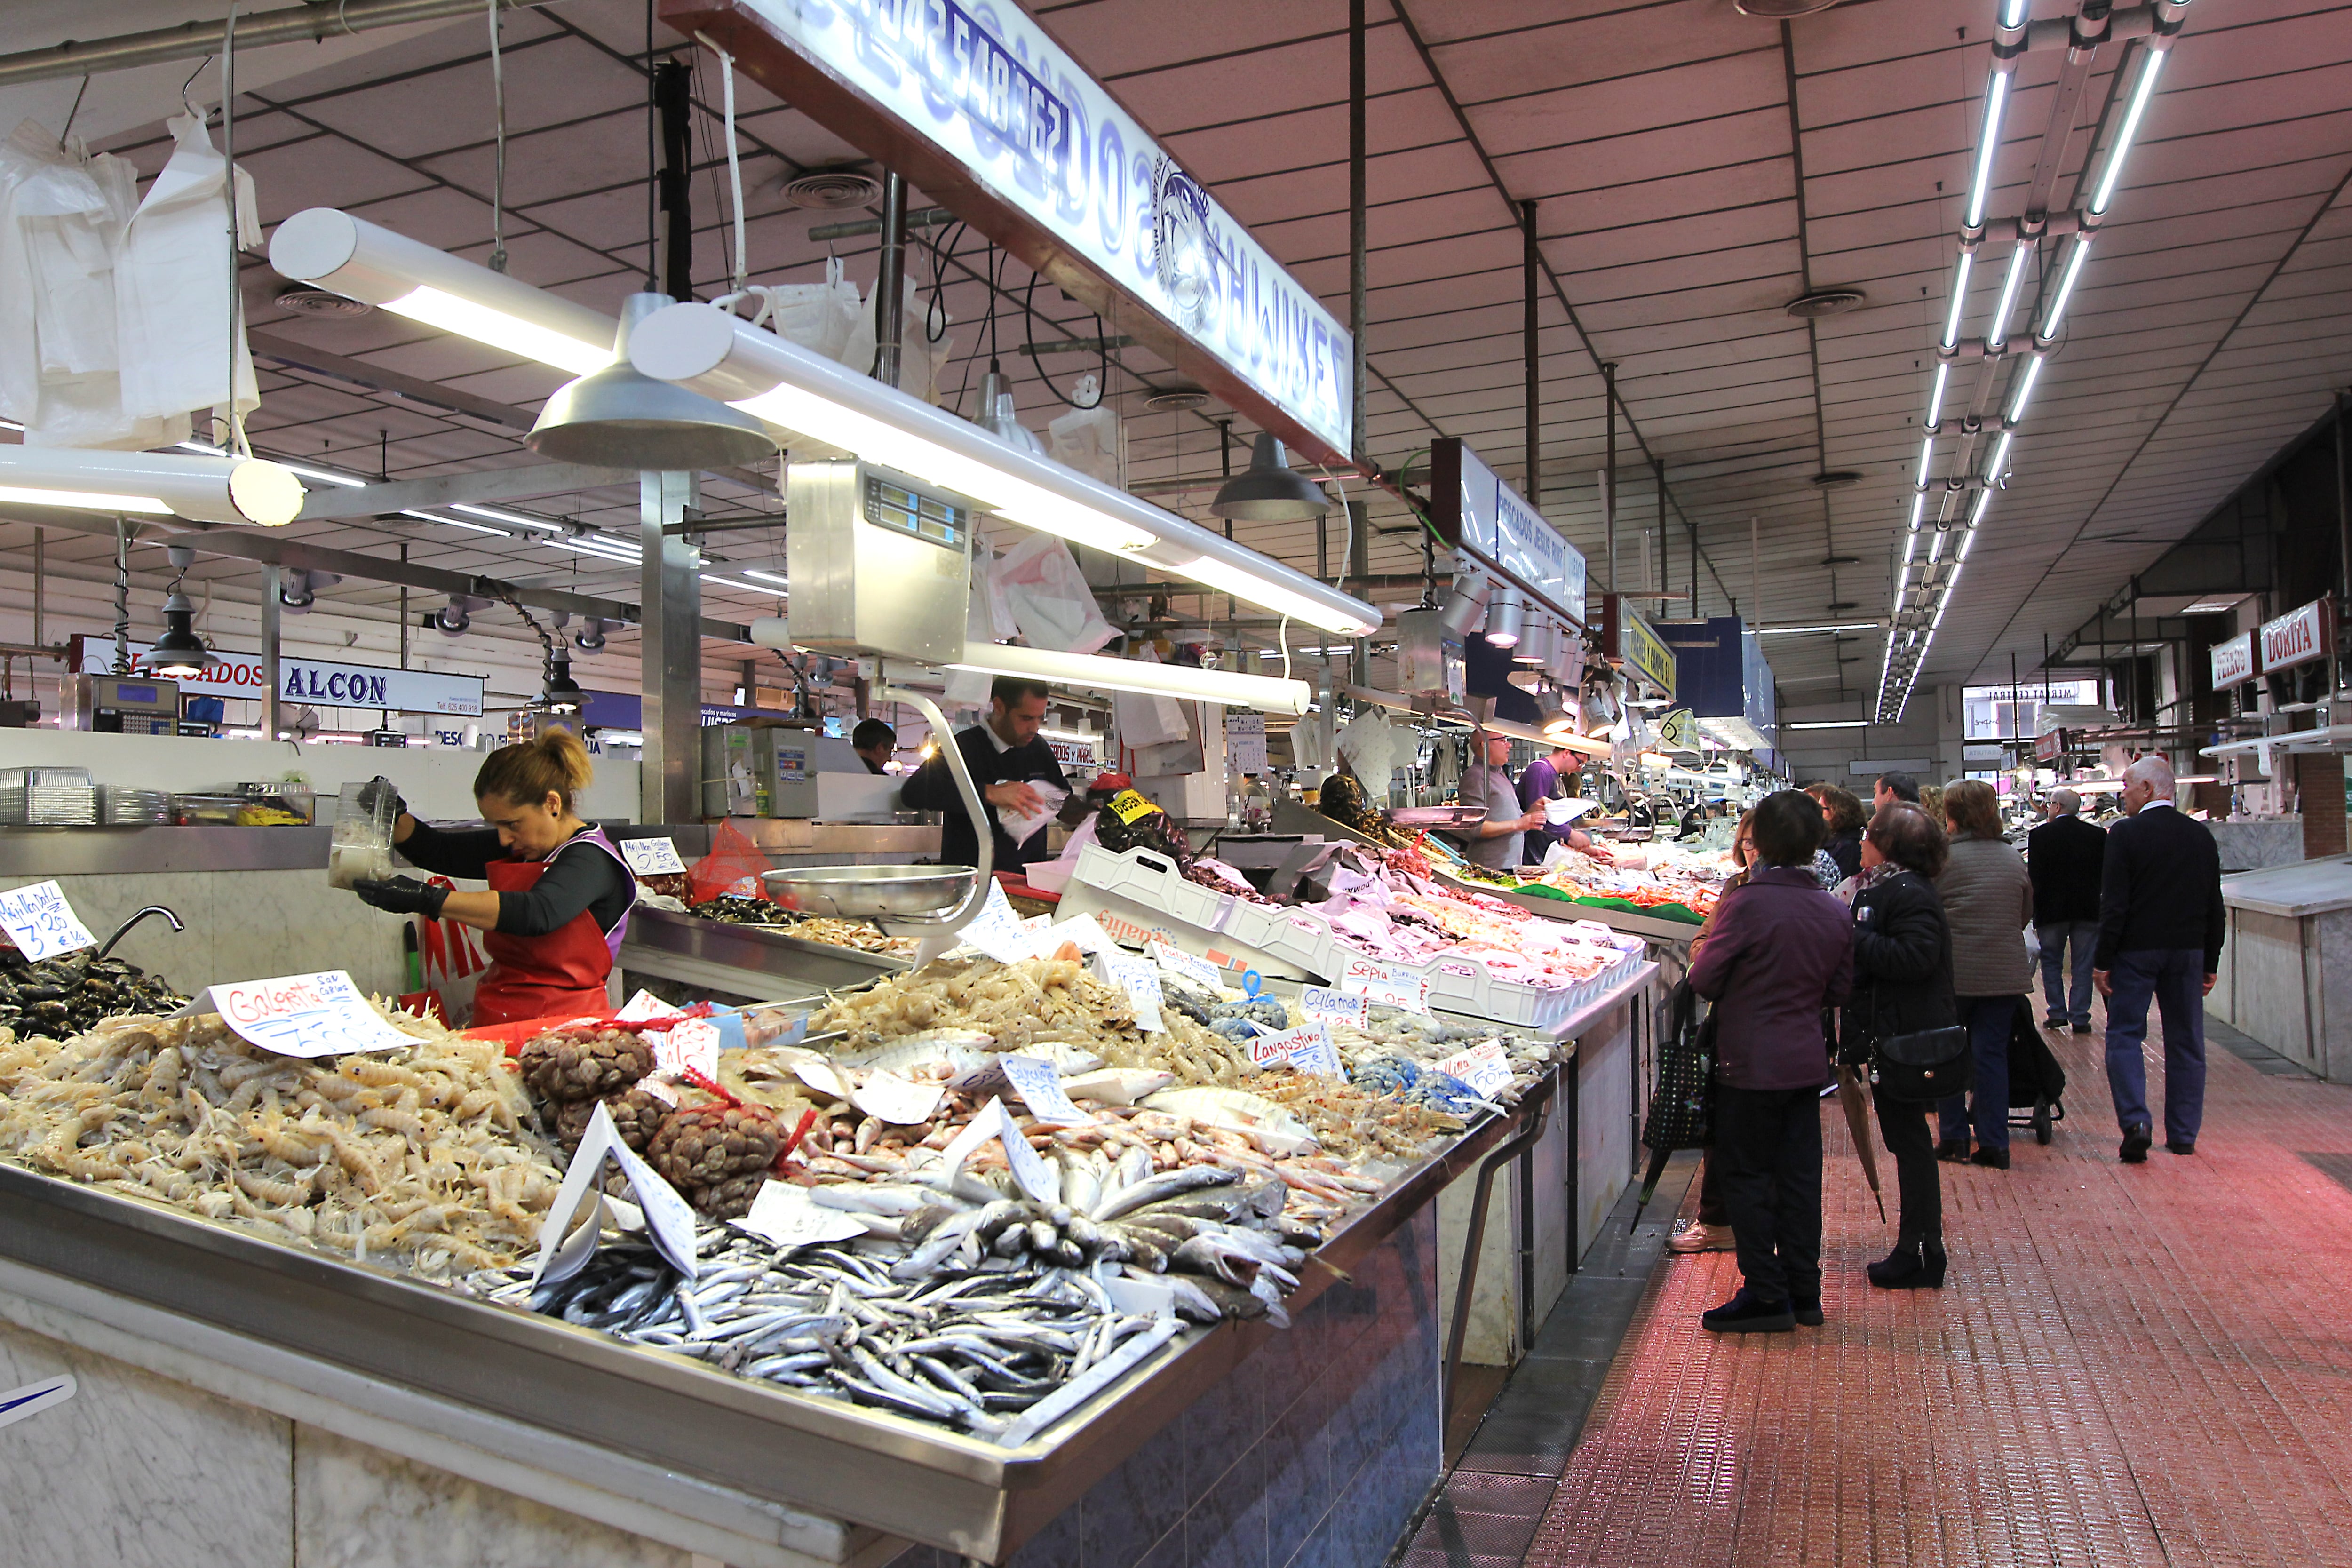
pixel 2130 1364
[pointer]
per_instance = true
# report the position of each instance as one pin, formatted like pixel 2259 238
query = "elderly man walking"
pixel 2066 857
pixel 2160 928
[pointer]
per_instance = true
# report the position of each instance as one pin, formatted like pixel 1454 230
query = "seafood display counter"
pixel 684 957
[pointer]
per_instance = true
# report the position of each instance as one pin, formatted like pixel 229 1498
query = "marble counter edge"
pixel 550 1467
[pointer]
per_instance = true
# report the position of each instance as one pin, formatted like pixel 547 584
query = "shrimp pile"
pixel 425 1159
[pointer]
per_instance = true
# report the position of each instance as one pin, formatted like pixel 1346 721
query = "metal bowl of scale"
pixel 865 892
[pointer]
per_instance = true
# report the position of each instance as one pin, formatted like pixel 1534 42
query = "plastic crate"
pixel 1144 892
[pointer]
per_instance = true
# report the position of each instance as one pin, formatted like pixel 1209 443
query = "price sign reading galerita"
pixel 322 1014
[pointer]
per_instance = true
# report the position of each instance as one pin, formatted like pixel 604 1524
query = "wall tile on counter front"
pixel 241 925
pixel 137 1471
pixel 358 1507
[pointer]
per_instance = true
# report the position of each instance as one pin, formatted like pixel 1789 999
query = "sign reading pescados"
pixel 313 681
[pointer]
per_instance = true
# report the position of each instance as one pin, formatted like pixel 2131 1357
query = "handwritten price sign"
pixel 651 857
pixel 1379 983
pixel 1309 1049
pixel 41 923
pixel 321 1014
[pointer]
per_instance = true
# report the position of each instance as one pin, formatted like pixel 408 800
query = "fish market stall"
pixel 733 950
pixel 2288 950
pixel 353 1274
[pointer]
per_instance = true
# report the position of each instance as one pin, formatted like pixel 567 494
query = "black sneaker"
pixel 2081 1028
pixel 2135 1148
pixel 1745 1314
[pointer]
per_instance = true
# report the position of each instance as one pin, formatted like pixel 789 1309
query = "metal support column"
pixel 670 779
pixel 273 580
pixel 1359 556
pixel 2343 541
pixel 890 283
pixel 1533 444
pixel 1357 155
pixel 1609 472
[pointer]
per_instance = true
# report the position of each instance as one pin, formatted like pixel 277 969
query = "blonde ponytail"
pixel 529 771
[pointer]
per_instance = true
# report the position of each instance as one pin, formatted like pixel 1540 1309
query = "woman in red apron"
pixel 560 894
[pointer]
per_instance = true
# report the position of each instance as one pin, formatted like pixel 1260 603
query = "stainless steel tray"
pixel 767 950
pixel 901 1475
pixel 1437 816
pixel 865 892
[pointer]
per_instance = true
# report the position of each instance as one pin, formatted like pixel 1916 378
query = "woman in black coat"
pixel 1902 984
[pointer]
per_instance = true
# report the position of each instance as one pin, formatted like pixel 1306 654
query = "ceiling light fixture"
pixel 2141 91
pixel 1094 672
pixel 777 578
pixel 1828 724
pixel 1996 96
pixel 1506 618
pixel 495 515
pixel 365 261
pixel 454 522
pixel 2025 380
pixel 1997 332
pixel 705 349
pixel 153 484
pixel 1268 490
pixel 1960 300
pixel 2074 259
pixel 621 417
pixel 179 654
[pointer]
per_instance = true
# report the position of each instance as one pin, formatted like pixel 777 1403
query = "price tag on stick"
pixel 668 1218
pixel 321 1014
pixel 1039 1084
pixel 1334 1006
pixel 1483 1066
pixel 41 923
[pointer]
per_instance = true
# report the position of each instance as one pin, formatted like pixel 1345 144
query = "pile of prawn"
pixel 426 1158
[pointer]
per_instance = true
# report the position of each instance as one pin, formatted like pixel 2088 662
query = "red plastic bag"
pixel 733 866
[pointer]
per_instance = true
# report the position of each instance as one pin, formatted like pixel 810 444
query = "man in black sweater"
pixel 2066 857
pixel 1010 765
pixel 2160 928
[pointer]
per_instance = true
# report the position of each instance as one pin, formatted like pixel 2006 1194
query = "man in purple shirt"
pixel 1778 951
pixel 1541 783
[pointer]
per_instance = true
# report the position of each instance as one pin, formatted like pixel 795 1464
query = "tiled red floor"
pixel 2130 1365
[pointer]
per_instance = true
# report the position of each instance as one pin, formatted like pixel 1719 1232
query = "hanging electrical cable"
pixel 1029 347
pixel 236 442
pixel 498 165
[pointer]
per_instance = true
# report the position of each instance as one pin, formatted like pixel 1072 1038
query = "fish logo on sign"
pixel 34 1398
pixel 1180 245
pixel 1680 731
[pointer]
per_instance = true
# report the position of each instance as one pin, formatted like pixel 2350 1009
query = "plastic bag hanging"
pixel 823 317
pixel 1050 598
pixel 62 216
pixel 1087 439
pixel 175 287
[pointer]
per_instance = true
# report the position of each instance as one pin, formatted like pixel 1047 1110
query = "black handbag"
pixel 1930 1065
pixel 1682 1111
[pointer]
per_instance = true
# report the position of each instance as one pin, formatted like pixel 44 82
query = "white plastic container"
pixel 360 848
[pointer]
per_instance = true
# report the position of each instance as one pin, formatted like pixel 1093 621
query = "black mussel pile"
pixel 735 910
pixel 57 997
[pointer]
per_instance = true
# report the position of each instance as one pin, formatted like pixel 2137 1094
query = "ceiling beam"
pixel 247 544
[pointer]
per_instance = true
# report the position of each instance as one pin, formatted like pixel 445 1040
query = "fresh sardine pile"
pixel 971 1346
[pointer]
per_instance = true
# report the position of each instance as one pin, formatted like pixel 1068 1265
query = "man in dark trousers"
pixel 1010 766
pixel 2160 927
pixel 2066 857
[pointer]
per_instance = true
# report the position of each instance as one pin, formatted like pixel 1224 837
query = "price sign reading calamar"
pixel 321 1014
pixel 41 923
pixel 1334 1006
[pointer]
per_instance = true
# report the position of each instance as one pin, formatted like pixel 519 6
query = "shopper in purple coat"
pixel 1778 951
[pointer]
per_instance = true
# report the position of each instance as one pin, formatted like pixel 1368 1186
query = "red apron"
pixel 561 973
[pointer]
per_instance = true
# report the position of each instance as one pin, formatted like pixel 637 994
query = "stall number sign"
pixel 1309 1049
pixel 1377 982
pixel 41 923
pixel 321 1014
pixel 651 857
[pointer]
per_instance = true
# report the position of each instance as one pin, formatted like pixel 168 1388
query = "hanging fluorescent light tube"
pixel 1935 397
pixel 2024 389
pixel 1093 671
pixel 154 484
pixel 730 583
pixel 1926 461
pixel 1825 626
pixel 2013 12
pixel 704 348
pixel 1828 724
pixel 1999 463
pixel 334 250
pixel 778 581
pixel 495 515
pixel 1996 95
pixel 1984 504
pixel 2141 91
pixel 1998 333
pixel 454 522
pixel 1918 509
pixel 1960 299
pixel 1903 579
pixel 324 476
pixel 2049 327
pixel 1968 543
pixel 1936 547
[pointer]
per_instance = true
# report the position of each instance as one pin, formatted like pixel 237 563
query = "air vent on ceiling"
pixel 1176 399
pixel 1824 303
pixel 1777 9
pixel 831 190
pixel 1836 479
pixel 305 301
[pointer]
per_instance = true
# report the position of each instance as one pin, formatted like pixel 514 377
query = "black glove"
pixel 403 896
pixel 374 793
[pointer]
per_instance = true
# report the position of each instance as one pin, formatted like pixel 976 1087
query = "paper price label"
pixel 1309 1049
pixel 1084 930
pixel 1140 981
pixel 1483 1067
pixel 1377 982
pixel 692 1047
pixel 1334 1006
pixel 1038 1082
pixel 901 1101
pixel 642 1006
pixel 1028 1170
pixel 319 1014
pixel 1184 965
pixel 650 857
pixel 787 1216
pixel 997 932
pixel 668 1218
pixel 41 923
pixel 1130 808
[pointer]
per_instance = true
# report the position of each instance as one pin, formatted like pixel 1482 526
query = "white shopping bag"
pixel 174 284
pixel 1049 597
pixel 1145 721
pixel 820 316
pixel 1087 439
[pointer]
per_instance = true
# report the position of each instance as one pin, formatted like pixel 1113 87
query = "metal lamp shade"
pixel 1506 618
pixel 1267 491
pixel 558 693
pixel 179 653
pixel 1465 608
pixel 620 418
pixel 1535 643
